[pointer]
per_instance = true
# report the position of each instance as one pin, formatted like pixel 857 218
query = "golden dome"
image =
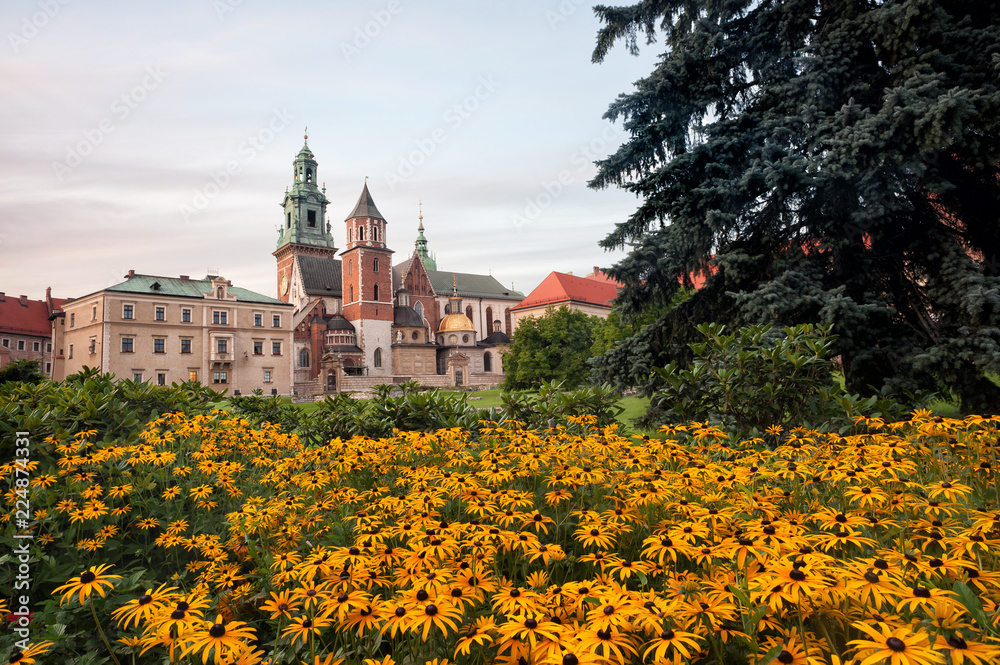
pixel 456 323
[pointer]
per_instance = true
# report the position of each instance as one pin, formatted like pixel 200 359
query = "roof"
pixel 471 286
pixel 186 288
pixel 365 206
pixel 20 316
pixel 321 276
pixel 406 317
pixel 456 323
pixel 338 322
pixel 494 338
pixel 560 287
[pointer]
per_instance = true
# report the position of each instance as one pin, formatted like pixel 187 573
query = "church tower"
pixel 304 230
pixel 421 245
pixel 366 266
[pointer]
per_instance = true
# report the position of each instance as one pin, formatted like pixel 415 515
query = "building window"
pixel 453 339
pixel 351 298
pixel 487 362
pixel 276 321
pixel 128 344
pixel 275 348
pixel 361 233
pixel 193 375
pixel 160 314
pixel 418 307
pixel 36 346
pixel 185 316
pixel 220 318
pixel 304 358
pixel 258 348
pixel 48 346
pixel 161 379
pixel 20 345
pixel 375 265
pixel 70 350
pixel 48 368
pixel 127 311
pixel 375 238
pixel 137 377
pixel 258 320
pixel 415 336
pixel 93 346
pixel 348 237
pixel 468 312
pixel 465 339
pixel 288 220
pixel 185 346
pixel 220 377
pixel 377 357
pixel 350 266
pixel 72 320
pixel 489 321
pixel 222 345
pixel 267 376
pixel 376 292
pixel 93 313
pixel 312 218
pixel 159 345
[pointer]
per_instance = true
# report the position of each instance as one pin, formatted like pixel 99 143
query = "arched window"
pixel 309 175
pixel 376 292
pixel 489 320
pixel 351 299
pixel 375 262
pixel 350 267
pixel 361 233
pixel 374 233
pixel 468 311
pixel 487 362
pixel 377 357
pixel 418 307
pixel 447 309
pixel 349 236
pixel 304 358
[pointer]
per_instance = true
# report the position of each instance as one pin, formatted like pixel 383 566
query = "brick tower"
pixel 366 266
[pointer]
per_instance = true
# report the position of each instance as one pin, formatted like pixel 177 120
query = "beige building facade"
pixel 170 330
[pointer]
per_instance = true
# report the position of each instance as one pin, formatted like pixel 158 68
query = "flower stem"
pixel 100 630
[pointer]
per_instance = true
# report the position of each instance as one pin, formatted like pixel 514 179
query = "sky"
pixel 159 137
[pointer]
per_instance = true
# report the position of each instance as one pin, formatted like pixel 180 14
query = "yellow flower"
pixel 90 580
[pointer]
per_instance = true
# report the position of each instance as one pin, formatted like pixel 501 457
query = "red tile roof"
pixel 559 287
pixel 20 316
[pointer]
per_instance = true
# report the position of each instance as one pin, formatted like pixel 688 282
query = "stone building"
pixel 25 331
pixel 176 329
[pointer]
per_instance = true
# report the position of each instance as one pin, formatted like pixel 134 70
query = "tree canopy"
pixel 824 161
pixel 554 347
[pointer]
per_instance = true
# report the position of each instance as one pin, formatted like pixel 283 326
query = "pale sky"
pixel 120 120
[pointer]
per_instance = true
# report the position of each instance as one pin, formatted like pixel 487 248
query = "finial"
pixel 454 286
pixel 366 180
pixel 420 227
pixel 306 136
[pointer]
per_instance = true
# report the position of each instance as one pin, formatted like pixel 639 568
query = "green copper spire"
pixel 305 204
pixel 421 245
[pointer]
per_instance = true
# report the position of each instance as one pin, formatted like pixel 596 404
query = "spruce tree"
pixel 818 161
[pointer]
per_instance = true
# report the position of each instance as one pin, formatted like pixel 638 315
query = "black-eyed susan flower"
pixel 900 646
pixel 91 580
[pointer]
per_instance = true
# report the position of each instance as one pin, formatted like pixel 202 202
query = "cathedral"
pixel 359 320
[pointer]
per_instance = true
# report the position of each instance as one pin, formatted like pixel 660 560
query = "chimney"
pixel 130 275
pixel 48 293
pixel 24 301
pixel 185 278
pixel 2 298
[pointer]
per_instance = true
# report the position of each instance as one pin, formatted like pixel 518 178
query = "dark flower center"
pixel 956 642
pixel 871 577
pixel 514 593
pixel 785 657
pixel 896 644
pixel 146 600
pixel 431 610
pixel 921 592
pixel 530 624
pixel 608 610
pixel 87 577
pixel 422 595
pixel 797 575
pixel 307 623
pixel 881 564
pixel 217 631
pixel 400 612
pixel 570 659
pixel 177 615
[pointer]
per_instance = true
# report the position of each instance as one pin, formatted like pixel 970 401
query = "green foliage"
pixel 422 411
pixel 25 370
pixel 552 405
pixel 758 377
pixel 554 347
pixel 831 163
pixel 90 400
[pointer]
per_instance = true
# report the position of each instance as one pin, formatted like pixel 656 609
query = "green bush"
pixel 550 404
pixel 760 377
